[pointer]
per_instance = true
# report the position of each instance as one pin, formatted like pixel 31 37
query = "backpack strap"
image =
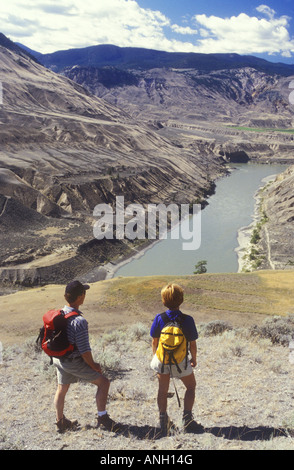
pixel 73 313
pixel 175 362
pixel 164 316
pixel 179 319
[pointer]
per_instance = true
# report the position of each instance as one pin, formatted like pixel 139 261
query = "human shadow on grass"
pixel 244 433
pixel 241 433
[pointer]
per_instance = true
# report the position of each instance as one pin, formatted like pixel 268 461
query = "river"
pixel 230 209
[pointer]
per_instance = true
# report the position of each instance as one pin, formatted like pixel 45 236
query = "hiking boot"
pixel 65 424
pixel 165 424
pixel 191 426
pixel 107 423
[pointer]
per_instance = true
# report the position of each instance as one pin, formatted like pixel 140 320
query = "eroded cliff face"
pixel 277 239
pixel 244 96
pixel 62 152
pixel 230 110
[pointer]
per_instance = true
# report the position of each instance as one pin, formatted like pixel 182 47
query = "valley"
pixel 73 139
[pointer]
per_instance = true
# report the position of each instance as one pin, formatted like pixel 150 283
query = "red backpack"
pixel 53 336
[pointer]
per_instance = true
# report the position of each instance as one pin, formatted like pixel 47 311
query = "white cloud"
pixel 50 25
pixel 78 23
pixel 266 11
pixel 183 29
pixel 245 35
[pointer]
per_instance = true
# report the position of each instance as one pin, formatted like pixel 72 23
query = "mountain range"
pixel 175 88
pixel 145 59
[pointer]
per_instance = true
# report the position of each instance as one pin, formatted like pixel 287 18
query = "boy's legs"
pixel 59 400
pixel 190 384
pixel 61 421
pixel 103 385
pixel 163 386
pixel 104 420
pixel 69 372
pixel 189 424
pixel 163 381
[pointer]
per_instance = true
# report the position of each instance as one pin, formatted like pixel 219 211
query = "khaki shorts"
pixel 72 370
pixel 156 365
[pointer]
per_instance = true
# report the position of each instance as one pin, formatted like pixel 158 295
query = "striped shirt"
pixel 77 333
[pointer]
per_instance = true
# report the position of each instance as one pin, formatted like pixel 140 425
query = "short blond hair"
pixel 172 296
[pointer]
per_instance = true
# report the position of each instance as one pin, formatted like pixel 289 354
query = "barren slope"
pixel 228 110
pixel 62 152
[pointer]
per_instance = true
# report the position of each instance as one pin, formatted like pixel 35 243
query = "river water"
pixel 230 209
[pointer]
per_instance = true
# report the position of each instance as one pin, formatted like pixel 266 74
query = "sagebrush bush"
pixel 214 328
pixel 139 331
pixel 109 359
pixel 279 330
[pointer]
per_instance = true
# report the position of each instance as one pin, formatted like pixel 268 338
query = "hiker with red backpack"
pixel 174 336
pixel 64 337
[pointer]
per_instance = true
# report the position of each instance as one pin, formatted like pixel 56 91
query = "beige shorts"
pixel 73 370
pixel 157 365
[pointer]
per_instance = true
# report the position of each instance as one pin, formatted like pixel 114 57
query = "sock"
pixel 102 413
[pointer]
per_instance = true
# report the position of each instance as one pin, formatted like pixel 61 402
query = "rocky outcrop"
pixel 55 270
pixel 238 156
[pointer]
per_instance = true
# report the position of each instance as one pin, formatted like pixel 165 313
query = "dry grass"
pixel 244 378
pixel 244 395
pixel 242 299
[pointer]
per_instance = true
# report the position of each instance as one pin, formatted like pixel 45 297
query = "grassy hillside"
pixel 241 299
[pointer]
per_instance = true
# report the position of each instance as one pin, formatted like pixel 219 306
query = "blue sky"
pixel 207 26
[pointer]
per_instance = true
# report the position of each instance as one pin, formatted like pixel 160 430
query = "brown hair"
pixel 172 296
pixel 71 297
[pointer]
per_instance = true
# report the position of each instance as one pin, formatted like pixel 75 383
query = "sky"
pixel 207 26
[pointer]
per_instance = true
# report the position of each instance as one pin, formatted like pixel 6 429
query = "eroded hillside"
pixel 230 110
pixel 62 152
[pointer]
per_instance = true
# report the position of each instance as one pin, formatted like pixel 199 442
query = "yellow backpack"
pixel 172 346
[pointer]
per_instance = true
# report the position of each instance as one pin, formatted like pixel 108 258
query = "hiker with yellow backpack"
pixel 174 348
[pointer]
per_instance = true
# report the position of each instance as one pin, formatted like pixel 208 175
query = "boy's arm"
pixel 193 351
pixel 154 345
pixel 88 358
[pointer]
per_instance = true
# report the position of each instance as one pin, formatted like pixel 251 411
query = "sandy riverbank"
pixel 245 233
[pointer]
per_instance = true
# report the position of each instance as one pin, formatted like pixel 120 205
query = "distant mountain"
pixel 145 59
